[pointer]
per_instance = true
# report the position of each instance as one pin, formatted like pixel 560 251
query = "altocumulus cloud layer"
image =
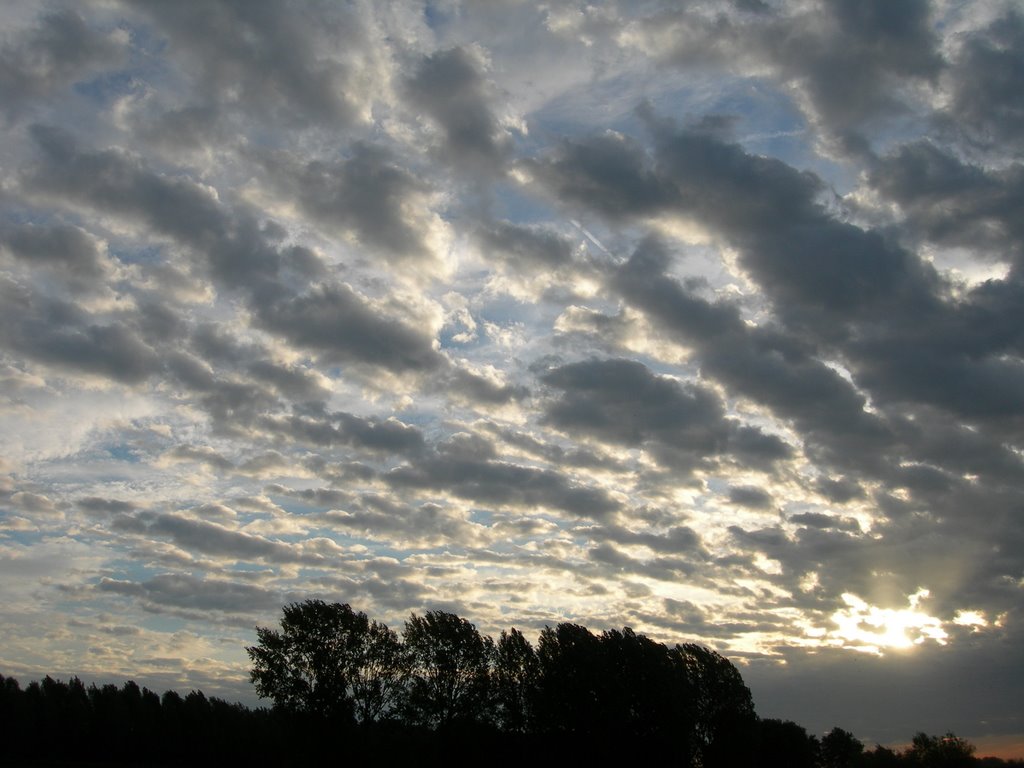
pixel 701 318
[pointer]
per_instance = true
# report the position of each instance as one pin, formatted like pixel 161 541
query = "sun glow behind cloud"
pixel 873 629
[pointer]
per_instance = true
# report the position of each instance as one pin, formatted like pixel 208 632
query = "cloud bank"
pixel 702 320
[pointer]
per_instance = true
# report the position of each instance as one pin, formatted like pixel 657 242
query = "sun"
pixel 872 629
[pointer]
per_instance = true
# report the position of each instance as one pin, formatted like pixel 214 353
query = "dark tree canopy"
pixel 329 660
pixel 723 710
pixel 450 669
pixel 333 662
pixel 516 678
pixel 947 751
pixel 572 677
pixel 841 749
pixel 785 744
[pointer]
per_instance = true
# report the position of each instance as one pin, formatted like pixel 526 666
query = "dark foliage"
pixel 449 675
pixel 56 722
pixel 347 689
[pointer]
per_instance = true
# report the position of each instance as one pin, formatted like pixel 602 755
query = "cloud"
pixel 269 62
pixel 985 102
pixel 171 590
pixel 62 334
pixel 468 473
pixel 450 88
pixel 526 248
pixel 69 252
pixel 61 49
pixel 950 202
pixel 342 326
pixel 621 401
pixel 849 63
pixel 326 429
pixel 367 195
pixel 844 685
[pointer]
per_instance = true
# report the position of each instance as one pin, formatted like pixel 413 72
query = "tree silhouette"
pixel 882 757
pixel 516 677
pixel 378 682
pixel 647 694
pixel 684 706
pixel 450 670
pixel 328 660
pixel 947 751
pixel 784 744
pixel 723 710
pixel 841 749
pixel 572 679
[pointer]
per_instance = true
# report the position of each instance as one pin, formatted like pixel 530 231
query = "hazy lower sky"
pixel 702 318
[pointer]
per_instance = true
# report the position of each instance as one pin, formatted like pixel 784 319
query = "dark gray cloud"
pixel 677 540
pixel 987 104
pixel 474 387
pixel 750 496
pixel 851 61
pixel 761 363
pixel 95 505
pixel 62 334
pixel 177 590
pixel 449 87
pixel 807 261
pixel 623 402
pixel 268 60
pixel 466 471
pixel 831 687
pixel 68 252
pixel 342 327
pixel 61 49
pixel 201 455
pixel 583 458
pixel 611 174
pixel 120 183
pixel 209 538
pixel 324 428
pixel 187 128
pixel 377 517
pixel 235 250
pixel 819 520
pixel 291 382
pixel 952 202
pixel 526 249
pixel 330 319
pixel 828 281
pixel 367 194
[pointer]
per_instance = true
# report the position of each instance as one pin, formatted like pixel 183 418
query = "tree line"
pixel 331 663
pixel 343 687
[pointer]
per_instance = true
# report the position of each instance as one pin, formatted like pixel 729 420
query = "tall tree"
pixel 573 679
pixel 841 749
pixel 723 710
pixel 378 681
pixel 450 670
pixel 648 695
pixel 949 751
pixel 329 660
pixel 785 744
pixel 516 675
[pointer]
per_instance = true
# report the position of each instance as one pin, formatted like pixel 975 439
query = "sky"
pixel 704 318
